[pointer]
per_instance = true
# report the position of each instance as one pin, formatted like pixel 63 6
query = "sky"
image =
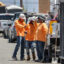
pixel 9 2
pixel 31 5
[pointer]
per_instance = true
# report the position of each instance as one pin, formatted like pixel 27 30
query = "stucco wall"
pixel 44 6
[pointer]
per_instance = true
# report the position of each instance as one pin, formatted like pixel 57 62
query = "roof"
pixel 14 7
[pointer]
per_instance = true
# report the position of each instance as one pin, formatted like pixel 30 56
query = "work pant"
pixel 29 44
pixel 20 42
pixel 40 50
pixel 52 44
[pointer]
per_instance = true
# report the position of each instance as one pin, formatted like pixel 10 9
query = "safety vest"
pixel 52 26
pixel 41 32
pixel 20 27
pixel 31 31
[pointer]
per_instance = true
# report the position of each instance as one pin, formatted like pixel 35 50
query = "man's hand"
pixel 24 26
pixel 25 32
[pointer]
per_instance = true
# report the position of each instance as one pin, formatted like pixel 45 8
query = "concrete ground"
pixel 6 51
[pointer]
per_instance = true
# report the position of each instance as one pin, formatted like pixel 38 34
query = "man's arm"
pixel 45 29
pixel 18 25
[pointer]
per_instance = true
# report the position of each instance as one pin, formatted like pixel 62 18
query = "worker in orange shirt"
pixel 19 25
pixel 41 33
pixel 30 36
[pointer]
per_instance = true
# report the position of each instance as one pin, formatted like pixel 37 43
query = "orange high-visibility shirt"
pixel 31 31
pixel 41 32
pixel 20 27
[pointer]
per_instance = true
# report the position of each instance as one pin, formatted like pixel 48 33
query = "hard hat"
pixel 34 18
pixel 42 18
pixel 31 19
pixel 22 16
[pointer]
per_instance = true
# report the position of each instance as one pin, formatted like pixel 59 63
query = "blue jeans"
pixel 29 44
pixel 40 49
pixel 20 42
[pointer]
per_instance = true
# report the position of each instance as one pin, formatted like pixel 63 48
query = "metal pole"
pixel 21 3
pixel 62 31
pixel 26 2
pixel 55 1
pixel 14 2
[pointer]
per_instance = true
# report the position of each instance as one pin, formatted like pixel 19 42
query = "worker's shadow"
pixel 22 61
pixel 14 60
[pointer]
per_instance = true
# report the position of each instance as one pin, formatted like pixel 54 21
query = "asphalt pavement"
pixel 6 51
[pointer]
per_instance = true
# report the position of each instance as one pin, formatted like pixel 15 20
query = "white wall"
pixel 31 5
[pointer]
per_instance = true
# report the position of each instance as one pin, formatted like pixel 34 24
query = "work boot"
pixel 14 58
pixel 28 57
pixel 22 59
pixel 33 55
pixel 42 61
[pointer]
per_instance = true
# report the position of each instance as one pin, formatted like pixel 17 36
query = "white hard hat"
pixel 22 16
pixel 32 18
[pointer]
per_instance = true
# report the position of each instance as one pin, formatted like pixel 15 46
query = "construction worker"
pixel 51 25
pixel 19 25
pixel 53 29
pixel 30 36
pixel 41 33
